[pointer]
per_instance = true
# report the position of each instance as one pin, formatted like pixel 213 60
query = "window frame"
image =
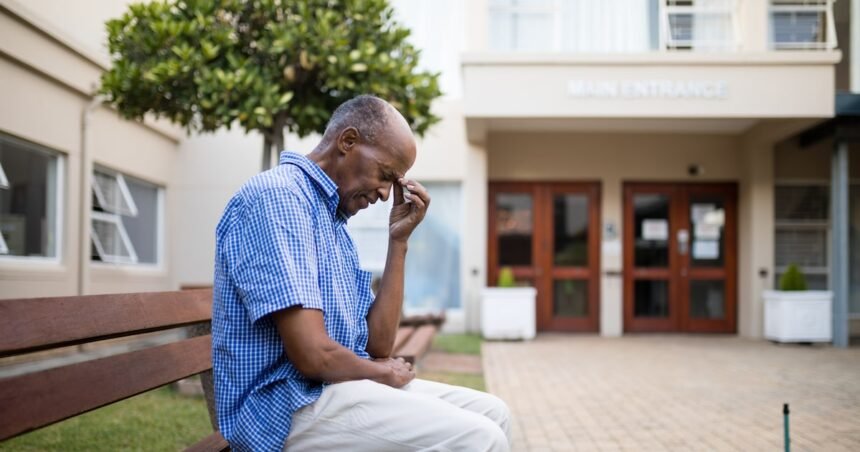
pixel 116 219
pixel 667 8
pixel 4 181
pixel 830 41
pixel 124 192
pixel 59 194
pixel 159 263
pixel 795 225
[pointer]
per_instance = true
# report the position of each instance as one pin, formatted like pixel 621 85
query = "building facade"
pixel 84 195
pixel 637 161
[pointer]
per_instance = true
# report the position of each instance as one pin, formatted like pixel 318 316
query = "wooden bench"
pixel 42 398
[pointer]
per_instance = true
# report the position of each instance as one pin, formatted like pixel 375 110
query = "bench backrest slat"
pixel 417 343
pixel 34 324
pixel 35 400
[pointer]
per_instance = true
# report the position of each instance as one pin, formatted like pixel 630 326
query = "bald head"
pixel 371 116
pixel 367 146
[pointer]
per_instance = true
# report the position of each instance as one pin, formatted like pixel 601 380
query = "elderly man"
pixel 301 345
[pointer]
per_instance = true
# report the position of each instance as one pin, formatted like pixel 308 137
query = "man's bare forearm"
pixel 384 316
pixel 318 357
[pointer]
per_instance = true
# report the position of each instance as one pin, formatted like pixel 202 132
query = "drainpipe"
pixel 85 196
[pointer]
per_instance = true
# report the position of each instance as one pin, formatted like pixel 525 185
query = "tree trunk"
pixel 267 153
pixel 278 135
pixel 273 137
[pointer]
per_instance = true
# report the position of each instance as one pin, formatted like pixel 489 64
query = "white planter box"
pixel 802 316
pixel 508 312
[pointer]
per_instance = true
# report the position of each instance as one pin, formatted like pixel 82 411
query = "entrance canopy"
pixel 663 92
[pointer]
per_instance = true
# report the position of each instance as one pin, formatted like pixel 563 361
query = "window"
pixel 698 24
pixel 802 25
pixel 126 219
pixel 433 262
pixel 524 25
pixel 619 26
pixel 802 236
pixel 30 184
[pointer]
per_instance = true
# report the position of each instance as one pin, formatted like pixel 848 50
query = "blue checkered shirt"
pixel 280 243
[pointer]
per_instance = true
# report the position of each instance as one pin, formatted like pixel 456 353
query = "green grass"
pixel 154 421
pixel 466 380
pixel 469 344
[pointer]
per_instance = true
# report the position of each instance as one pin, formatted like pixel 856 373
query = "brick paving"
pixel 655 393
pixel 451 362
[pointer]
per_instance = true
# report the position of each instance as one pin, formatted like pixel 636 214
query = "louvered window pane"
pixel 802 247
pixel 112 194
pixel 110 239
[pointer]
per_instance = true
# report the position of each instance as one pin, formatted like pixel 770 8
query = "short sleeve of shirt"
pixel 276 267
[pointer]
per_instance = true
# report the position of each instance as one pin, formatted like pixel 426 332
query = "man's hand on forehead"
pixel 411 201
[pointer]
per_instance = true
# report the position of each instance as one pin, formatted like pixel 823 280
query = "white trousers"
pixel 424 415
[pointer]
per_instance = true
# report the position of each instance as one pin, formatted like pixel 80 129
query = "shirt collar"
pixel 316 174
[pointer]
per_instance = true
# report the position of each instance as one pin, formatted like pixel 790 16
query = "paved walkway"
pixel 653 393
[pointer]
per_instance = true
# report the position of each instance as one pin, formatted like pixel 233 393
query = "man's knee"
pixel 497 410
pixel 488 436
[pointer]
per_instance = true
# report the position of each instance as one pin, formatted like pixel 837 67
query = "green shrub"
pixel 792 279
pixel 506 277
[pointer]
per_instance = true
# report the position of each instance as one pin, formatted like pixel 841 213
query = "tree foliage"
pixel 266 65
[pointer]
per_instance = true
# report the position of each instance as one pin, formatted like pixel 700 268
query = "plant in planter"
pixel 508 310
pixel 795 314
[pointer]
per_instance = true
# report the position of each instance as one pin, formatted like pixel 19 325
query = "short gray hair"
pixel 368 114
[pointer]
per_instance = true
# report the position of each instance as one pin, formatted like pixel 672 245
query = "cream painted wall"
pixel 46 86
pixel 82 21
pixel 755 232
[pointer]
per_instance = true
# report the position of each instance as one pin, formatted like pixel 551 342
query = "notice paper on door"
pixel 706 249
pixel 706 231
pixel 653 229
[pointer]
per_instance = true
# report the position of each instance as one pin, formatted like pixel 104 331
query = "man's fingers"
pixel 398 192
pixel 418 189
pixel 417 201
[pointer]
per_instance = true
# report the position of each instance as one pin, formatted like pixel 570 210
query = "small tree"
pixel 792 279
pixel 268 65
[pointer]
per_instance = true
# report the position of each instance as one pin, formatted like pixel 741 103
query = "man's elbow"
pixel 316 364
pixel 380 350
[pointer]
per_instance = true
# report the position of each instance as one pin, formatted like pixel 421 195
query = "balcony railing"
pixel 635 26
pixel 703 25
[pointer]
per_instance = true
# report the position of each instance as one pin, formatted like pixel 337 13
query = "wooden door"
pixel 549 235
pixel 680 257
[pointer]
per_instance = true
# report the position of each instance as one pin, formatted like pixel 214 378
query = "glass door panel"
pixel 651 223
pixel 570 298
pixel 514 228
pixel 651 298
pixel 707 224
pixel 707 299
pixel 570 230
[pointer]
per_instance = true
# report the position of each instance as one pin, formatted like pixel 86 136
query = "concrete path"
pixel 654 393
